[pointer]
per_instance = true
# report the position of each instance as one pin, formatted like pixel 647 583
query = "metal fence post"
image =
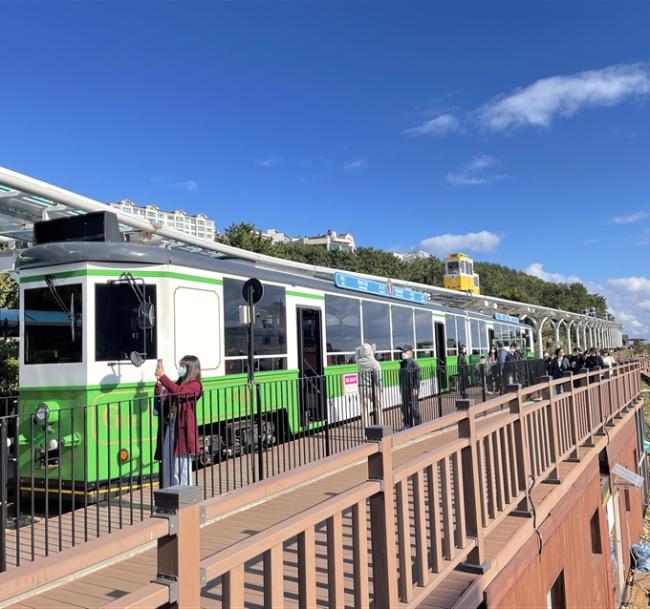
pixel 440 378
pixel 179 559
pixel 4 483
pixel 260 435
pixel 382 518
pixel 470 465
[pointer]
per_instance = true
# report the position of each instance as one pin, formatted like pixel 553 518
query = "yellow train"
pixel 460 275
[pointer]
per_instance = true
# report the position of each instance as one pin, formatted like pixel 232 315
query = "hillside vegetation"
pixel 496 279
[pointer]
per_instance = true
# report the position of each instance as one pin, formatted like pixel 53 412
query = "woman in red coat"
pixel 182 439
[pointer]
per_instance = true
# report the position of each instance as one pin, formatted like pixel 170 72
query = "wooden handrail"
pixel 80 559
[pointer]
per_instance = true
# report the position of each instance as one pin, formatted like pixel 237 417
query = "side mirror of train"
pixel 146 315
pixel 136 358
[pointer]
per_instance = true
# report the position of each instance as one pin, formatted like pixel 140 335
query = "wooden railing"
pixel 478 465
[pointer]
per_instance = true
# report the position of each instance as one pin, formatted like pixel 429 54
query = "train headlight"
pixel 46 412
pixel 42 413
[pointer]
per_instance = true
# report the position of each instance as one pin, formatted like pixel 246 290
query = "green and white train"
pixel 87 306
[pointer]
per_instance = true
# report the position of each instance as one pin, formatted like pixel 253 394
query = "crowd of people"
pixel 580 361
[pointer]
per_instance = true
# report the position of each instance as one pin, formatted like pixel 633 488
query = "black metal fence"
pixel 72 474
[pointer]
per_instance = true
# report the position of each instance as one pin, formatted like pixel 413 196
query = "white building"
pixel 330 241
pixel 411 256
pixel 198 226
pixel 275 236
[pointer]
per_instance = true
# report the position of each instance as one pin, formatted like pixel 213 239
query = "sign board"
pixel 350 383
pixel 509 318
pixel 379 288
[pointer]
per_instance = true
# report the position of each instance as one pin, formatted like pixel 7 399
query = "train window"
pixel 270 321
pixel 450 327
pixel 452 268
pixel 461 330
pixel 117 332
pixel 402 327
pixel 262 364
pixel 376 325
pixel 53 325
pixel 475 332
pixel 342 324
pixel 423 333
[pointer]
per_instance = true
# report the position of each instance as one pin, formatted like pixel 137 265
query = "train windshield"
pixel 118 330
pixel 453 268
pixel 53 325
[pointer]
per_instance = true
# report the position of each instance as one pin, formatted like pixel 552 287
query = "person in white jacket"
pixel 370 384
pixel 608 358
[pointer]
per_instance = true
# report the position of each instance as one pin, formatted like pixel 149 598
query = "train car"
pixel 460 275
pixel 96 316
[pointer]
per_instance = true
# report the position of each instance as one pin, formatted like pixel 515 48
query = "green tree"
pixel 9 292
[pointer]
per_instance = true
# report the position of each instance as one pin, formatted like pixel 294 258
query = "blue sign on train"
pixel 379 288
pixel 509 318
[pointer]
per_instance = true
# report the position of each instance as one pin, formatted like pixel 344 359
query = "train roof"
pixel 70 252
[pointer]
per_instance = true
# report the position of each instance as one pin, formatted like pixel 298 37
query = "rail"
pixel 479 470
pixel 70 475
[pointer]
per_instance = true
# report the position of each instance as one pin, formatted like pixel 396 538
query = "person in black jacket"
pixel 594 360
pixel 577 360
pixel 559 366
pixel 409 384
pixel 463 376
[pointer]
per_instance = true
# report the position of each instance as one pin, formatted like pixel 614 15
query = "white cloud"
pixel 441 245
pixel 464 179
pixel 630 218
pixel 440 125
pixel 629 300
pixel 356 164
pixel 536 269
pixel 481 162
pixel 540 103
pixel 634 285
pixel 271 161
pixel 472 174
pixel 188 185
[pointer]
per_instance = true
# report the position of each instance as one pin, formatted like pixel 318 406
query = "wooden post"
pixel 179 561
pixel 521 450
pixel 554 476
pixel 470 465
pixel 574 424
pixel 382 519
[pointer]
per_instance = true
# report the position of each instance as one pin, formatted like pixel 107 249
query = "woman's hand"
pixel 160 369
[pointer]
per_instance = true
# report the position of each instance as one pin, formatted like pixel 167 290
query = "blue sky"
pixel 516 131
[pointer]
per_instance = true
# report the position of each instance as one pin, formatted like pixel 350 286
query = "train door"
pixel 311 389
pixel 441 352
pixel 491 338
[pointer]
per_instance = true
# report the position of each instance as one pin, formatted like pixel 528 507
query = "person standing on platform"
pixel 409 384
pixel 370 384
pixel 577 360
pixel 594 360
pixel 181 441
pixel 463 376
